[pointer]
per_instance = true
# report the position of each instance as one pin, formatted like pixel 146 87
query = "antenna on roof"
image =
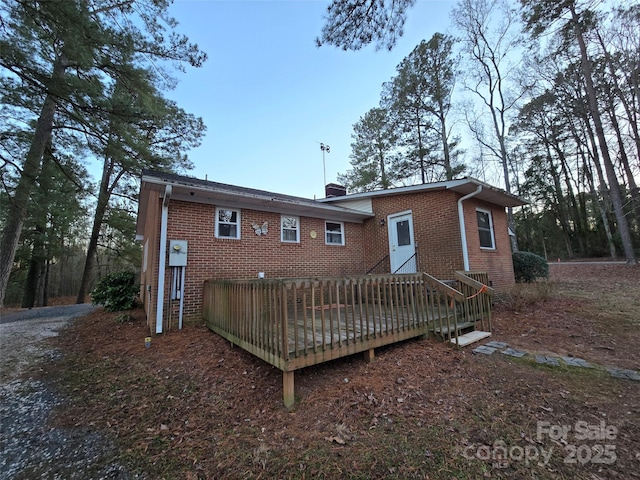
pixel 324 148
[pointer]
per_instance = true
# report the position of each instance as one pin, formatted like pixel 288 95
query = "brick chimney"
pixel 335 190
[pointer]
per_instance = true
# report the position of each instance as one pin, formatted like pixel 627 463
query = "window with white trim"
pixel 289 229
pixel 334 233
pixel 485 229
pixel 227 223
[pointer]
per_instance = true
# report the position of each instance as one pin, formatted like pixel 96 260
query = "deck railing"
pixel 447 303
pixel 477 294
pixel 293 323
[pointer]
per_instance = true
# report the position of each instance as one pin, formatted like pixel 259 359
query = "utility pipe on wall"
pixel 463 230
pixel 181 298
pixel 162 257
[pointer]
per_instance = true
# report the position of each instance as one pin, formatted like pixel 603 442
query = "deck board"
pixel 350 325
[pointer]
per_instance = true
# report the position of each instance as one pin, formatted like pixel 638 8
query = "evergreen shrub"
pixel 528 267
pixel 116 292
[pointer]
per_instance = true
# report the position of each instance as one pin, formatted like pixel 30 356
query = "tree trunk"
pixel 624 162
pixel 36 270
pixel 567 233
pixel 45 282
pixel 383 171
pixel 573 209
pixel 30 171
pixel 445 141
pixel 614 187
pixel 104 195
pixel 601 210
pixel 602 199
pixel 107 184
pixel 33 287
pixel 500 129
pixel 421 150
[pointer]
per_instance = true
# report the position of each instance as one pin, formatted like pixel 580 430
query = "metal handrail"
pixel 377 264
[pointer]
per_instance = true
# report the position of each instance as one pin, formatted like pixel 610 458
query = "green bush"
pixel 116 292
pixel 528 266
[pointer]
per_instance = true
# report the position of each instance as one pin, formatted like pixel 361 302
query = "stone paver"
pixel 496 344
pixel 514 353
pixel 576 362
pixel 623 373
pixel 484 349
pixel 491 347
pixel 546 360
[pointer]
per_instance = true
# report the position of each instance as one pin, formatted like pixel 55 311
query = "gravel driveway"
pixel 29 447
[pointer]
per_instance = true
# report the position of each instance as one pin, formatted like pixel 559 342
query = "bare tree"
pixel 489 30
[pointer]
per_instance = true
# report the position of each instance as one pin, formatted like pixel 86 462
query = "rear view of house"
pixel 232 232
pixel 213 251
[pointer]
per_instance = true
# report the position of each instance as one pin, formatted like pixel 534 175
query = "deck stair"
pixel 466 308
pixel 467 333
pixel 448 331
pixel 470 337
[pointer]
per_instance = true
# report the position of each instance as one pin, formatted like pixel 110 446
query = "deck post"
pixel 369 355
pixel 288 394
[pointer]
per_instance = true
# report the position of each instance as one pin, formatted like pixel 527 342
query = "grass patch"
pixel 522 296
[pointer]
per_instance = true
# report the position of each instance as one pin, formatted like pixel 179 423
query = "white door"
pixel 401 244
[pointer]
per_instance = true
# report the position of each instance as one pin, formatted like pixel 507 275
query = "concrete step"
pixel 471 337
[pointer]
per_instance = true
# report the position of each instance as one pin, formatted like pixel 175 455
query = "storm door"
pixel 402 250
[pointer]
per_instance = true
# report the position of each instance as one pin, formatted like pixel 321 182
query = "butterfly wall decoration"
pixel 261 230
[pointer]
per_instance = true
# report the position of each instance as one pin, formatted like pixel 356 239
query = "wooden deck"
pixel 342 324
pixel 294 323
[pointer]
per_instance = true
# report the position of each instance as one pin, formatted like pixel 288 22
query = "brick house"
pixel 193 230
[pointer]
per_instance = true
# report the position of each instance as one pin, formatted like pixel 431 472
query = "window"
pixel 290 229
pixel 334 233
pixel 485 229
pixel 227 223
pixel 403 232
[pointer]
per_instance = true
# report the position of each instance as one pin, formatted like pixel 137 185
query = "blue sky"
pixel 268 95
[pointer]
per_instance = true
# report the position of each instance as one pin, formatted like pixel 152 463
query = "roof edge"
pixel 444 185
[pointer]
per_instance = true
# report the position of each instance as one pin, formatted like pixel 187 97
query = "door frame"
pixel 390 226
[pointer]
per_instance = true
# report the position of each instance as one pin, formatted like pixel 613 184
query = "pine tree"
pixel 63 57
pixel 542 15
pixel 372 153
pixel 353 24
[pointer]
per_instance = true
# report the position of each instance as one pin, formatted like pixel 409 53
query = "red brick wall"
pixel 436 229
pixel 435 226
pixel 437 235
pixel 210 257
pixel 498 262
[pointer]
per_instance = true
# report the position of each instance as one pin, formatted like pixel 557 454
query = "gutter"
pixel 259 200
pixel 162 257
pixel 463 230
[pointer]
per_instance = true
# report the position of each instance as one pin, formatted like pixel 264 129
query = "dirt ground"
pixel 592 312
pixel 192 406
